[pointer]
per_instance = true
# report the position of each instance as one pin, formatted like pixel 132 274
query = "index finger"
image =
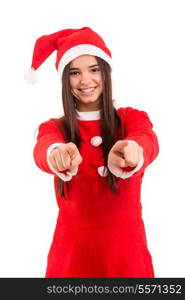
pixel 72 150
pixel 74 154
pixel 119 146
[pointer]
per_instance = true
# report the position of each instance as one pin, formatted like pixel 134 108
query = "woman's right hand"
pixel 65 156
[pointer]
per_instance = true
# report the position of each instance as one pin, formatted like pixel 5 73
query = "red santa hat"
pixel 69 43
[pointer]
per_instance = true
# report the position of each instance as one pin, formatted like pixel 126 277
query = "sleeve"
pixel 49 136
pixel 139 129
pixel 129 171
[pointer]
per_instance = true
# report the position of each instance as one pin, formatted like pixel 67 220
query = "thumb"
pixel 76 160
pixel 123 163
pixel 72 150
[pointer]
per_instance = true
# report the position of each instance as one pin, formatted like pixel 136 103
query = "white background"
pixel 147 42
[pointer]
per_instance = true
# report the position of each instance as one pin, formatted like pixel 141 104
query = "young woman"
pixel 98 154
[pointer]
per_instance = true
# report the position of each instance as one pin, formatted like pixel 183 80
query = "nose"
pixel 85 78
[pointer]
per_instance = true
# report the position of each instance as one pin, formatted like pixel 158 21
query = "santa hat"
pixel 69 43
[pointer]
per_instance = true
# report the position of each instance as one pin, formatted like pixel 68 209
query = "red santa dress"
pixel 99 233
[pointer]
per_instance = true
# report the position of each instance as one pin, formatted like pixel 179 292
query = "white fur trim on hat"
pixel 30 76
pixel 79 50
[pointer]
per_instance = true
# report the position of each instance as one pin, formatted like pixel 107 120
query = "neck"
pixel 85 107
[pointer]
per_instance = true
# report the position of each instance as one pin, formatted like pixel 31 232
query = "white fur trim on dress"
pixel 79 50
pixel 118 172
pixel 88 115
pixel 92 115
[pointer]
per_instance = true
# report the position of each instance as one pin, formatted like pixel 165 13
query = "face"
pixel 86 82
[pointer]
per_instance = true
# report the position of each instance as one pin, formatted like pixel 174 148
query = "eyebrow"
pixel 79 68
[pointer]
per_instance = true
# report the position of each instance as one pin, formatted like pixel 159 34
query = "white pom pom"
pixel 96 141
pixel 30 76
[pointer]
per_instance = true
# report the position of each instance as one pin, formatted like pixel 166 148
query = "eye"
pixel 95 70
pixel 73 73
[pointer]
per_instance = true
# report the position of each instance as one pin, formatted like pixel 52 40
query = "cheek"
pixel 73 83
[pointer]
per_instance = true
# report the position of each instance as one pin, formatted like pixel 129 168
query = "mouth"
pixel 87 91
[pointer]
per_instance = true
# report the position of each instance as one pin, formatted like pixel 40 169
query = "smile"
pixel 87 91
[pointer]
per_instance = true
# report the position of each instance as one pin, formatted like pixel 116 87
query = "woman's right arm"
pixel 48 135
pixel 53 155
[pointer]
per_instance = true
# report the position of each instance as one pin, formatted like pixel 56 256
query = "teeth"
pixel 87 90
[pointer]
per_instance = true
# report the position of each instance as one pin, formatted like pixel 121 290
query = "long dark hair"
pixel 109 120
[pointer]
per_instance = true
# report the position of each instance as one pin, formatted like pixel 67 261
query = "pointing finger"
pixel 119 146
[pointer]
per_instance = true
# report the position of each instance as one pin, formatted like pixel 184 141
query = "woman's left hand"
pixel 124 154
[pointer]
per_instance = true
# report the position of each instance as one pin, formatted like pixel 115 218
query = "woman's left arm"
pixel 138 148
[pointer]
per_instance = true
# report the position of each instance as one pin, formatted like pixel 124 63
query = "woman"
pixel 98 154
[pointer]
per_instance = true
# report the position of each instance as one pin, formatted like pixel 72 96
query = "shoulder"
pixel 123 111
pixel 131 112
pixel 130 115
pixel 49 125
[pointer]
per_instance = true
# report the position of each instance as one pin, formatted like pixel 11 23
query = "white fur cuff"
pixel 118 172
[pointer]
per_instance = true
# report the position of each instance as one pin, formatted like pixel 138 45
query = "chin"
pixel 89 101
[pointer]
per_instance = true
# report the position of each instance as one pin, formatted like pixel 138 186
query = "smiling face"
pixel 86 82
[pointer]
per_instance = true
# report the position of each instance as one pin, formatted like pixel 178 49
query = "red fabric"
pixel 138 127
pixel 99 233
pixel 49 134
pixel 64 40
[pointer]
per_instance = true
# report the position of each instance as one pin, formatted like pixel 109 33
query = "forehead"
pixel 83 61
